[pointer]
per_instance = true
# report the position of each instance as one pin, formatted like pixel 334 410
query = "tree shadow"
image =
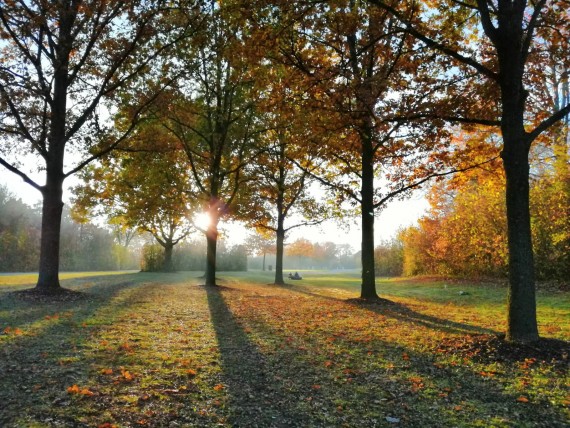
pixel 19 308
pixel 257 397
pixel 43 344
pixel 383 378
pixel 403 313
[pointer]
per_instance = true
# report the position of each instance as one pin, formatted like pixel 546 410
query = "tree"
pixel 61 61
pixel 281 192
pixel 262 244
pixel 147 187
pixel 212 115
pixel 359 71
pixel 514 34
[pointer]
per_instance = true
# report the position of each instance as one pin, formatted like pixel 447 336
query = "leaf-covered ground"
pixel 163 351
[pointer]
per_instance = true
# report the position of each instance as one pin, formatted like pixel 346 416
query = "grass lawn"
pixel 160 350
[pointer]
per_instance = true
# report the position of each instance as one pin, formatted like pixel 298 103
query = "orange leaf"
pixel 522 399
pixel 73 389
pixel 191 372
pixel 219 387
pixel 107 371
pixel 86 391
pixel 127 375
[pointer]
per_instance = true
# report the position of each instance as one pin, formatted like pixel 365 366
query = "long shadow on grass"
pixel 403 313
pixel 378 384
pixel 257 397
pixel 40 362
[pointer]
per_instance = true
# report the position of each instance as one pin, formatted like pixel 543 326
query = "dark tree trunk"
pixel 48 279
pixel 167 265
pixel 279 249
pixel 280 232
pixel 211 248
pixel 522 323
pixel 263 265
pixel 368 290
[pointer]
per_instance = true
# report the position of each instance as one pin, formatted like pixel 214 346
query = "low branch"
pixel 547 123
pixel 19 173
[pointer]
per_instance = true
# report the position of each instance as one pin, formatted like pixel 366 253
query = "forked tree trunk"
pixel 522 323
pixel 52 192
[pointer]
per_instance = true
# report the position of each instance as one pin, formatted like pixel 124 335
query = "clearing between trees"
pixel 161 350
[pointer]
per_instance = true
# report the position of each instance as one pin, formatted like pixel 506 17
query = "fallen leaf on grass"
pixel 75 389
pixel 522 399
pixel 15 331
pixel 219 387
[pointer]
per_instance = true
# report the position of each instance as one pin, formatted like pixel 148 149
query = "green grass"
pixel 32 278
pixel 160 350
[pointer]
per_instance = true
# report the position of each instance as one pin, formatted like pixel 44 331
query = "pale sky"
pixel 397 214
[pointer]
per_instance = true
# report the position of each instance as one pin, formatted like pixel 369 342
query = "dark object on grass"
pixel 295 276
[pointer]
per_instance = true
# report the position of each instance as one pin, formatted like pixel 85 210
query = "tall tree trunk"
pixel 167 265
pixel 211 248
pixel 263 265
pixel 52 192
pixel 368 290
pixel 280 233
pixel 521 301
pixel 48 279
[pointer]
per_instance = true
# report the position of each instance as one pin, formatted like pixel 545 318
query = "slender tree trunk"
pixel 167 265
pixel 368 290
pixel 279 250
pixel 263 265
pixel 211 248
pixel 48 279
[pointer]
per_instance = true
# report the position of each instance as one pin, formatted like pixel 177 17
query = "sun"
pixel 202 220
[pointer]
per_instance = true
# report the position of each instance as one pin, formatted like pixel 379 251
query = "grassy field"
pixel 160 350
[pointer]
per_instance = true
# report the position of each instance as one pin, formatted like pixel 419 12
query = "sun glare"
pixel 202 220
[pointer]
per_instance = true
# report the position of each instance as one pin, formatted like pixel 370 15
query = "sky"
pixel 396 215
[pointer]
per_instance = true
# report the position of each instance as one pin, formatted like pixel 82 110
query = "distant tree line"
pixel 191 256
pixel 304 254
pixel 84 246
